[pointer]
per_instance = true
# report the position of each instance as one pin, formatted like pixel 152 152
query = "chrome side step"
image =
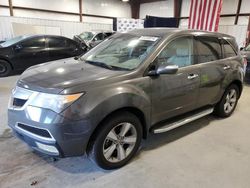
pixel 183 121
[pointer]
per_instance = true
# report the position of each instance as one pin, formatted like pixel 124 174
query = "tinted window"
pixel 209 49
pixel 57 42
pixel 178 52
pixel 72 44
pixel 108 34
pixel 38 42
pixel 98 37
pixel 228 50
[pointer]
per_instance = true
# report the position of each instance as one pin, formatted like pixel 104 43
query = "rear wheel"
pixel 228 102
pixel 117 142
pixel 5 68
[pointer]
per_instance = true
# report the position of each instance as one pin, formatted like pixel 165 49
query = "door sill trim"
pixel 173 125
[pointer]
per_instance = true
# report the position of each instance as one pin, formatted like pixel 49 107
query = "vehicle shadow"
pixel 84 165
pixel 157 140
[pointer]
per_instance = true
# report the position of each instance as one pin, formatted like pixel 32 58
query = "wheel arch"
pixel 137 112
pixel 6 60
pixel 239 84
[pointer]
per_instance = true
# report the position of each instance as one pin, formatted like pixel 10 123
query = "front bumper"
pixel 60 137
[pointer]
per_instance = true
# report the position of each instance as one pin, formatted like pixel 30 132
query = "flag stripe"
pixel 199 17
pixel 190 14
pixel 194 16
pixel 208 13
pixel 218 16
pixel 216 13
pixel 204 14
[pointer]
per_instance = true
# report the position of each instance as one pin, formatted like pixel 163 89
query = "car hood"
pixel 54 77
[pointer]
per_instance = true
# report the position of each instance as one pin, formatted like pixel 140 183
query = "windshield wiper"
pixel 100 64
pixel 104 65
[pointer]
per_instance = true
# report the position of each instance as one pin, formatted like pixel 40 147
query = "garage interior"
pixel 208 152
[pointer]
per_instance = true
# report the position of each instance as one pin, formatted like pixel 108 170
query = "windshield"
pixel 123 51
pixel 86 36
pixel 12 41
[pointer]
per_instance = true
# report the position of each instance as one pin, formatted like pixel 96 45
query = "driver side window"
pixel 177 52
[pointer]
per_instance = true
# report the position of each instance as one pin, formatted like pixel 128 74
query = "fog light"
pixel 48 148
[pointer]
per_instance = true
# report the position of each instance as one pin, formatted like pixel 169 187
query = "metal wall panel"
pixel 238 31
pixel 68 29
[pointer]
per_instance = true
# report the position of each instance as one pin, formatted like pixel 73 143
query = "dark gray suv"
pixel 107 101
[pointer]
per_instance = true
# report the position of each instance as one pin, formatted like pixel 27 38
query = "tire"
pixel 229 100
pixel 5 68
pixel 117 141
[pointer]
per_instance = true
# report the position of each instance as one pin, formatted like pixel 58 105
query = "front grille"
pixel 34 130
pixel 18 102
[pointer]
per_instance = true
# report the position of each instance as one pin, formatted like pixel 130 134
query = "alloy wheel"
pixel 2 68
pixel 230 102
pixel 119 142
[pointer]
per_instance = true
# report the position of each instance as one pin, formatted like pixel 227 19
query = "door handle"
pixel 226 67
pixel 192 76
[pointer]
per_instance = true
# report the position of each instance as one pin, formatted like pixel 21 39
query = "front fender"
pixel 99 102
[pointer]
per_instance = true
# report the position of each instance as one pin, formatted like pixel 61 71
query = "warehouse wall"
pixel 113 8
pixel 161 9
pixel 66 28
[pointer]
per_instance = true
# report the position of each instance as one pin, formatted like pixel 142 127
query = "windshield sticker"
pixel 148 38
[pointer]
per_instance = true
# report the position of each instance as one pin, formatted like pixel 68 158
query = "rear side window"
pixel 108 34
pixel 209 49
pixel 98 37
pixel 228 50
pixel 57 42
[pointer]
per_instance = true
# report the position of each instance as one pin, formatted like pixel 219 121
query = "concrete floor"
pixel 209 152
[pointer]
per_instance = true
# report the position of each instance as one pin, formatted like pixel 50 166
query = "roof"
pixel 162 32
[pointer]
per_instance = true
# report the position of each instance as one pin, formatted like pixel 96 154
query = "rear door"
pixel 213 69
pixel 175 94
pixel 58 47
pixel 73 48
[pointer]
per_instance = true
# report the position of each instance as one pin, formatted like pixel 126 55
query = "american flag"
pixel 204 14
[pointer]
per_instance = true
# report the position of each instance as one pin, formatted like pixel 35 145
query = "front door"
pixel 30 52
pixel 175 94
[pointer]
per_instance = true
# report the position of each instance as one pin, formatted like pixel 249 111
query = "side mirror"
pixel 167 69
pixel 164 69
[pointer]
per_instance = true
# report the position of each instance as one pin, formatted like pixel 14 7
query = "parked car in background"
pixel 245 52
pixel 22 52
pixel 134 83
pixel 91 39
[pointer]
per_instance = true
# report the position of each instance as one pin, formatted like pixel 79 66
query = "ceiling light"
pixel 125 0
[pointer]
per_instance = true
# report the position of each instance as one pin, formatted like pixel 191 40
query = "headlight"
pixel 54 102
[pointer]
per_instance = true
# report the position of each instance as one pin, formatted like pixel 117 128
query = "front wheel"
pixel 5 68
pixel 117 141
pixel 228 102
